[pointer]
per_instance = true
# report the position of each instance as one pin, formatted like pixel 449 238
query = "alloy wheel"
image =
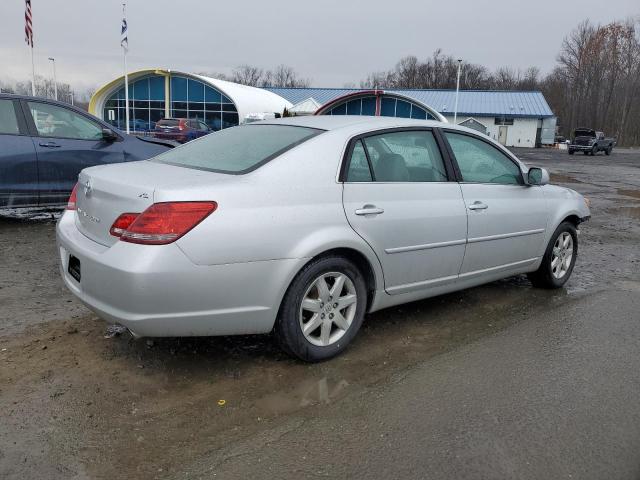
pixel 562 255
pixel 328 308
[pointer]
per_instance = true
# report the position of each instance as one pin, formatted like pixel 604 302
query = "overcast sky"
pixel 332 42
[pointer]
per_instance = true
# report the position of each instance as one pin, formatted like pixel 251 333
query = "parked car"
pixel 589 141
pixel 44 144
pixel 181 130
pixel 301 225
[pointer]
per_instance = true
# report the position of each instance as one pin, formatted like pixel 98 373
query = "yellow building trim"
pixel 103 91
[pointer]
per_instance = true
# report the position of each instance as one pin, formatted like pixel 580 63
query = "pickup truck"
pixel 591 142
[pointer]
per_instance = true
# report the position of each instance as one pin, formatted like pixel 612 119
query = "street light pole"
pixel 455 111
pixel 55 81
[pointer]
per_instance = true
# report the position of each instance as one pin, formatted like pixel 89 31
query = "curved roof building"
pixel 159 93
pixel 379 103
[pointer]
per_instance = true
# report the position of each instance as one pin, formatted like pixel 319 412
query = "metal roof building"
pixel 515 119
pixel 470 102
pixel 157 93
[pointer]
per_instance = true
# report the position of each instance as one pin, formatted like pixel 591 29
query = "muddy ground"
pixel 500 381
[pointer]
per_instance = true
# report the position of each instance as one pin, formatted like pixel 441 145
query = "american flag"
pixel 28 24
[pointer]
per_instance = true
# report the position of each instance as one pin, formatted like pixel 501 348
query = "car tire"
pixel 608 150
pixel 550 274
pixel 325 337
pixel 594 150
pixel 571 152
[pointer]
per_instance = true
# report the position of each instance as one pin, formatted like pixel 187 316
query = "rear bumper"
pixel 157 291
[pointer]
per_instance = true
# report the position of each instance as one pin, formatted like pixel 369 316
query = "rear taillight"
pixel 182 126
pixel 71 203
pixel 123 222
pixel 164 223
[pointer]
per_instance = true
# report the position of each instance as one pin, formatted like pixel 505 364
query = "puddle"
pixel 628 193
pixel 306 393
pixel 633 212
pixel 560 178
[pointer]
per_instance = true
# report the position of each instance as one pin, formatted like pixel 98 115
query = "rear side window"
pixel 409 156
pixel 238 150
pixel 481 162
pixel 8 118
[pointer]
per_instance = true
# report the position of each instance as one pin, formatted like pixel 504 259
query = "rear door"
pixel 18 161
pixel 397 196
pixel 507 219
pixel 66 141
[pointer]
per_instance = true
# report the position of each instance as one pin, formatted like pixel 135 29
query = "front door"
pixel 507 219
pixel 18 161
pixel 397 197
pixel 66 142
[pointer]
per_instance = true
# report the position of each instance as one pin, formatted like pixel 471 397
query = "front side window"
pixel 481 162
pixel 238 150
pixel 8 118
pixel 409 156
pixel 59 122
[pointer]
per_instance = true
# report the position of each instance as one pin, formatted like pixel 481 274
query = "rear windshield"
pixel 168 122
pixel 238 150
pixel 584 133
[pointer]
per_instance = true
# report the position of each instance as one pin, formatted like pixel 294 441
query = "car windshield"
pixel 238 150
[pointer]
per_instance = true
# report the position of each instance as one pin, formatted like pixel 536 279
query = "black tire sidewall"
pixel 546 274
pixel 288 331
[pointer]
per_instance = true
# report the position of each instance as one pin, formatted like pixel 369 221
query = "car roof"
pixel 335 122
pixel 15 96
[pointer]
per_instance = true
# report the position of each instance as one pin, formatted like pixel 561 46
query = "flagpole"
pixel 126 77
pixel 33 74
pixel 28 36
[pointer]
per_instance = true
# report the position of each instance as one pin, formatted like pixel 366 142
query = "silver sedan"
pixel 303 225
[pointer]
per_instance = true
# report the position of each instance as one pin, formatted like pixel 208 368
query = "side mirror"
pixel 537 176
pixel 109 135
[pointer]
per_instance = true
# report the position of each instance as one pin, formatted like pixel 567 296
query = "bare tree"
pixel 248 75
pixel 284 76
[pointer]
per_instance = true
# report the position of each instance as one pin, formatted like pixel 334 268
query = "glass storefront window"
pixel 369 106
pixel 189 99
pixel 389 107
pixel 156 88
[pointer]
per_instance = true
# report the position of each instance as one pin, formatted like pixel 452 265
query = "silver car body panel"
pixel 229 274
pixel 413 253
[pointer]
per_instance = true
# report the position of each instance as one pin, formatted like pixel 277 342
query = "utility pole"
pixel 55 80
pixel 455 110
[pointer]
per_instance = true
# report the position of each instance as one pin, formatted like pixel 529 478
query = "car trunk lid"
pixel 106 192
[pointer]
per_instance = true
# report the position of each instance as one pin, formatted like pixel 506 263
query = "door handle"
pixel 49 144
pixel 369 210
pixel 478 206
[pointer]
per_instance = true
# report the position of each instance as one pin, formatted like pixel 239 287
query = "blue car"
pixel 44 144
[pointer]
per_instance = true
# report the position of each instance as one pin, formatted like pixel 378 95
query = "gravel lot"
pixel 499 381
